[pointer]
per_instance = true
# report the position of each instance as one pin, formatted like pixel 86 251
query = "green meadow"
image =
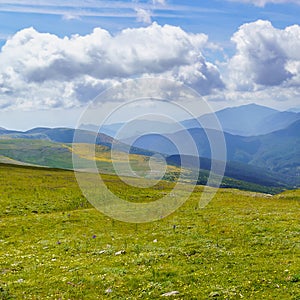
pixel 55 245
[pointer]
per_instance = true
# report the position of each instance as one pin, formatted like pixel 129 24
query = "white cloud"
pixel 69 17
pixel 265 57
pixel 3 37
pixel 262 3
pixel 100 8
pixel 274 96
pixel 143 16
pixel 43 70
pixel 159 2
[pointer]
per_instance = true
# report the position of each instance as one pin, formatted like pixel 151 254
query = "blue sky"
pixel 219 19
pixel 225 34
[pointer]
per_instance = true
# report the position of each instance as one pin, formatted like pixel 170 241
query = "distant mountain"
pixel 247 120
pixel 4 131
pixel 66 135
pixel 61 135
pixel 47 153
pixel 295 109
pixel 134 128
pixel 110 129
pixel 277 121
pixel 291 131
pixel 278 151
pixel 58 155
pixel 166 144
pixel 271 157
pixel 238 171
pixel 269 160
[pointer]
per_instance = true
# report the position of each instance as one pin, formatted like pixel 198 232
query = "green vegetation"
pixel 58 155
pixel 37 152
pixel 54 245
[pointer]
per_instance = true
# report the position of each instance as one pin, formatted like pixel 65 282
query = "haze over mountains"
pixel 249 120
pixel 246 120
pixel 266 151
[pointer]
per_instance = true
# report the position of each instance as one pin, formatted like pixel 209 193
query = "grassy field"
pixel 58 155
pixel 54 245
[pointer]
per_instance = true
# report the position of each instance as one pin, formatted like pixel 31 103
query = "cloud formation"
pixel 93 8
pixel 159 2
pixel 262 3
pixel 143 15
pixel 44 70
pixel 265 57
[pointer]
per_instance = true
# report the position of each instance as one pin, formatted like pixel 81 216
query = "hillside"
pixel 58 155
pixel 254 178
pixel 277 152
pixel 271 160
pixel 53 244
pixel 247 120
pixel 60 135
pixel 36 152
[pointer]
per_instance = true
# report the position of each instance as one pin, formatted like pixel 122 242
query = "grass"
pixel 57 155
pixel 54 245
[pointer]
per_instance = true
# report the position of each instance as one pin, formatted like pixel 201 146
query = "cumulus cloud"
pixel 44 70
pixel 265 57
pixel 144 15
pixel 262 3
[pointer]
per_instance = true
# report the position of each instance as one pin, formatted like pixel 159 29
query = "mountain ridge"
pixel 245 120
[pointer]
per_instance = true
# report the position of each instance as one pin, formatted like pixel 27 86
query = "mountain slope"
pixel 66 135
pixel 275 152
pixel 280 151
pixel 247 120
pixel 277 121
pixel 235 170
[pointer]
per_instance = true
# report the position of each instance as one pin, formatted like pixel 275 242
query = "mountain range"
pixel 270 157
pixel 245 120
pixel 278 151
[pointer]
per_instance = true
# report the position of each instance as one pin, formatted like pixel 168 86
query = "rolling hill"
pixel 276 152
pixel 55 245
pixel 271 160
pixel 60 135
pixel 58 155
pixel 66 135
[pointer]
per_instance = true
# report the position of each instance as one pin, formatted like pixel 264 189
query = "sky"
pixel 57 56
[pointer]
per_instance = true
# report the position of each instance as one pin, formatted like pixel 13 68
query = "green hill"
pixel 37 152
pixel 58 155
pixel 54 245
pixel 267 160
